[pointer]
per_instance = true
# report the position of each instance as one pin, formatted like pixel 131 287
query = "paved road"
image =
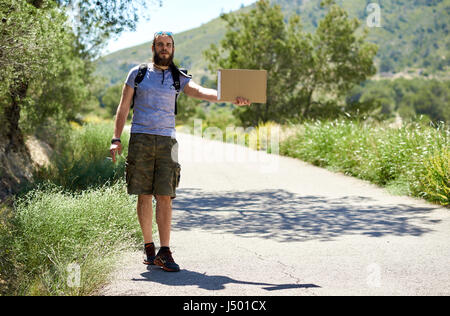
pixel 270 225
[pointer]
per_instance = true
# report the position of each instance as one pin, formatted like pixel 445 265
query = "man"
pixel 150 168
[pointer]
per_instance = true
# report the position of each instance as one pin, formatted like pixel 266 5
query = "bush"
pixel 82 158
pixel 53 229
pixel 413 159
pixel 434 182
pixel 77 214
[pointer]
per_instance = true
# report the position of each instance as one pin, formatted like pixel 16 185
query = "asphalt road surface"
pixel 256 224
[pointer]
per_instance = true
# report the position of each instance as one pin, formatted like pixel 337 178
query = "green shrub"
pixel 412 159
pixel 53 229
pixel 82 159
pixel 434 182
pixel 77 212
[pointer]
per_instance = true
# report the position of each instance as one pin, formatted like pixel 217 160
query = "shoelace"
pixel 167 256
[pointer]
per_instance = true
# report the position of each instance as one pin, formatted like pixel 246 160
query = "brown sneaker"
pixel 164 260
pixel 150 252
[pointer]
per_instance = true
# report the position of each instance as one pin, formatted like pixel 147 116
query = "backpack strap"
pixel 176 72
pixel 139 77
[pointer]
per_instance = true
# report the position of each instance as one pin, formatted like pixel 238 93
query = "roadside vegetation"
pixel 73 216
pixel 62 235
pixel 58 242
pixel 412 160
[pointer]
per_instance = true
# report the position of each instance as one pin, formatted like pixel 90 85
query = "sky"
pixel 175 16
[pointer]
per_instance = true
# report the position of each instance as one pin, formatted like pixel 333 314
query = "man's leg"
pixel 164 257
pixel 145 216
pixel 164 218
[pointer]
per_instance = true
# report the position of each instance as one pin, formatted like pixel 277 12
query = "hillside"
pixel 189 47
pixel 413 37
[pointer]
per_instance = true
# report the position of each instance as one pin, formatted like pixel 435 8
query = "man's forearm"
pixel 119 124
pixel 207 94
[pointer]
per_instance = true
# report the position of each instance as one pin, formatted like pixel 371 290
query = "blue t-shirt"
pixel 154 104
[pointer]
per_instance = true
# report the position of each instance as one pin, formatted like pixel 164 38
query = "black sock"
pixel 149 244
pixel 163 249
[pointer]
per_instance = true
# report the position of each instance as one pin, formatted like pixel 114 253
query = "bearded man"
pixel 150 167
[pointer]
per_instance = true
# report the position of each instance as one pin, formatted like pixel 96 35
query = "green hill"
pixel 413 38
pixel 189 46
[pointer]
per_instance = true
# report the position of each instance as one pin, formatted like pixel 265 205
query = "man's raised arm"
pixel 196 91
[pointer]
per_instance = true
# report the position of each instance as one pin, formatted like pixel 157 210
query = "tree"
pixel 109 99
pixel 432 100
pixel 254 41
pixel 304 69
pixel 95 21
pixel 46 63
pixel 41 72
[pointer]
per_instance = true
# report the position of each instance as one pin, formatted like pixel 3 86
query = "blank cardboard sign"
pixel 249 84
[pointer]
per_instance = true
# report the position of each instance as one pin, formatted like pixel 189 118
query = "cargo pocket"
pixel 130 162
pixel 174 150
pixel 129 170
pixel 176 175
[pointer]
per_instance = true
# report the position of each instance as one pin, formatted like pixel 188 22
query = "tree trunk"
pixel 308 104
pixel 13 134
pixel 266 113
pixel 16 165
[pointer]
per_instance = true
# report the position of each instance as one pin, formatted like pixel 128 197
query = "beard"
pixel 162 61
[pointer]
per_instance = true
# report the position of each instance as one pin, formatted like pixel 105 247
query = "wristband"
pixel 115 140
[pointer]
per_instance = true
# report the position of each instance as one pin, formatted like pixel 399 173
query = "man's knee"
pixel 143 198
pixel 163 198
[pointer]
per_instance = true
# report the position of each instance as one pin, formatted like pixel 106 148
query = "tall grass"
pixel 412 160
pixel 77 215
pixel 53 230
pixel 82 159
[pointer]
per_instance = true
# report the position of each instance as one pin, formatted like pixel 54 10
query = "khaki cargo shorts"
pixel 152 166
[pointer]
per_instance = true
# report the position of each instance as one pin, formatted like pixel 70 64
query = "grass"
pixel 82 159
pixel 54 230
pixel 76 217
pixel 411 160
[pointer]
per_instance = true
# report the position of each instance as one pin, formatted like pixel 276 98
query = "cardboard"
pixel 249 84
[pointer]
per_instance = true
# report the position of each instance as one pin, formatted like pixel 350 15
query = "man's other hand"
pixel 115 147
pixel 240 101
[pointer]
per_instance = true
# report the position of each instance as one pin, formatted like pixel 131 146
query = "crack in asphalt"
pixel 307 287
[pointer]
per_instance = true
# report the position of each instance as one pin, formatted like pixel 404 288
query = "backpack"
pixel 175 75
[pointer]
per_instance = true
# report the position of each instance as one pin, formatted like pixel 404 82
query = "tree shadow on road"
pixel 207 282
pixel 284 216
